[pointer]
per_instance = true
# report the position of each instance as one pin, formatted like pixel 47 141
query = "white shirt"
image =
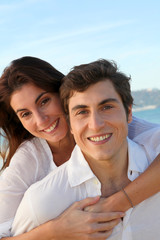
pixel 138 126
pixel 74 181
pixel 32 161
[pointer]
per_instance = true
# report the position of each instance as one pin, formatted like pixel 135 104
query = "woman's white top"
pixel 32 161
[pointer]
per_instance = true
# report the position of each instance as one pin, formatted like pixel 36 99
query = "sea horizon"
pixel 149 113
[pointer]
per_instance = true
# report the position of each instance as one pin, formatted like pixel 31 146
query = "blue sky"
pixel 71 32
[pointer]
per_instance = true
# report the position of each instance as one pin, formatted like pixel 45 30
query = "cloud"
pixel 86 31
pixel 17 4
pixel 138 51
pixel 6 7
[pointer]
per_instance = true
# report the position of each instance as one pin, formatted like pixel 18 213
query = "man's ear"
pixel 130 114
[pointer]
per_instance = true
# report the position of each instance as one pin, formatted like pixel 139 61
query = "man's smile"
pixel 100 138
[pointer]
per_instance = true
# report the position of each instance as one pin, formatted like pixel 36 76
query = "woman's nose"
pixel 40 118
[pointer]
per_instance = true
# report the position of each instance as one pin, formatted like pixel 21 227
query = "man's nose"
pixel 95 121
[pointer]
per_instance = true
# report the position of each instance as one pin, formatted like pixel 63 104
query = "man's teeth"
pixel 51 128
pixel 101 138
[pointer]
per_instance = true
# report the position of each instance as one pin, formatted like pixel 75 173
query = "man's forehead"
pixel 95 92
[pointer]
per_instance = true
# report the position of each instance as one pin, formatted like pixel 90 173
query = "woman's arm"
pixel 146 185
pixel 75 224
pixel 143 187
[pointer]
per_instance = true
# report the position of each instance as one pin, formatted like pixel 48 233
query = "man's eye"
pixel 81 112
pixel 44 101
pixel 107 107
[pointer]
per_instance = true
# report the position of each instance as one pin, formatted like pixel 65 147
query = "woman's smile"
pixel 52 127
pixel 40 112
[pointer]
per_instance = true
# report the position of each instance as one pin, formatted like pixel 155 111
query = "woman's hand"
pixel 114 203
pixel 84 220
pixel 77 224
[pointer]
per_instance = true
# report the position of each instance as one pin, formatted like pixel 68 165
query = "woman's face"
pixel 40 112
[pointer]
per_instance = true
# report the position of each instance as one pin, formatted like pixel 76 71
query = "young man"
pixel 98 101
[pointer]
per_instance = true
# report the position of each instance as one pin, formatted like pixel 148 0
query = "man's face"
pixel 98 122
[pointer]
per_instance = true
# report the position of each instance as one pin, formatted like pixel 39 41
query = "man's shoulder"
pixel 54 180
pixel 46 197
pixel 49 181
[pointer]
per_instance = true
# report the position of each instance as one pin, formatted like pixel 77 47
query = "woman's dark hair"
pixel 22 71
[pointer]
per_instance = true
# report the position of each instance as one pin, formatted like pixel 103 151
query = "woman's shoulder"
pixel 36 148
pixel 32 160
pixel 34 143
pixel 139 126
pixel 29 164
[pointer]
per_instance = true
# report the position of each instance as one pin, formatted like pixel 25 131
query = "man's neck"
pixel 112 173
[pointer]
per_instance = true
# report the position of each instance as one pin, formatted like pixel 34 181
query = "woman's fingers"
pixel 101 222
pixel 78 224
pixel 106 217
pixel 106 226
pixel 100 235
pixel 99 206
pixel 82 204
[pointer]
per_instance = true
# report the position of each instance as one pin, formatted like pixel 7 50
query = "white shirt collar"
pixel 79 170
pixel 137 159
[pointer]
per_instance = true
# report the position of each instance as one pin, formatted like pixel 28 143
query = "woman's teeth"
pixel 51 128
pixel 101 138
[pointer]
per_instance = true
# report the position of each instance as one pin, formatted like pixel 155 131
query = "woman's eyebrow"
pixel 20 110
pixel 40 96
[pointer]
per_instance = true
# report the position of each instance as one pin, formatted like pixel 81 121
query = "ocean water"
pixel 151 115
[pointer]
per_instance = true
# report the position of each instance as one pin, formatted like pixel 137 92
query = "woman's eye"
pixel 26 114
pixel 44 101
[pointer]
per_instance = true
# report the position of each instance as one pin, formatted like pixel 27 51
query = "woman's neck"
pixel 62 150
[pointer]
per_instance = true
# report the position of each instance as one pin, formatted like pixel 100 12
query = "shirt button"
pixel 95 181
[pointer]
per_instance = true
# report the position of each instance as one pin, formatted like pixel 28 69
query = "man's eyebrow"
pixel 80 106
pixel 108 100
pixel 24 109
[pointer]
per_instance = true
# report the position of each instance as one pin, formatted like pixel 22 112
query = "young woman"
pixel 39 141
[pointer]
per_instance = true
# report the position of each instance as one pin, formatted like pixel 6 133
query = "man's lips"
pixel 100 138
